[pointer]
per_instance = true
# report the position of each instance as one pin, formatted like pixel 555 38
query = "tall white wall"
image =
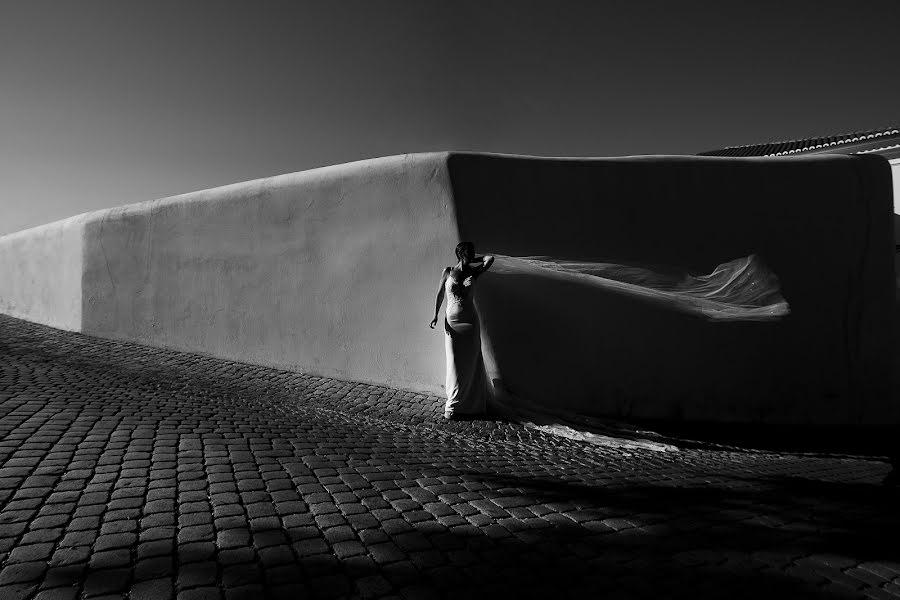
pixel 331 271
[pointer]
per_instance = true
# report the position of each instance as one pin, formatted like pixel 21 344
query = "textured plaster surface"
pixel 40 274
pixel 331 271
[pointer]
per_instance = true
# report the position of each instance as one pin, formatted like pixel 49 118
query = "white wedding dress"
pixel 467 385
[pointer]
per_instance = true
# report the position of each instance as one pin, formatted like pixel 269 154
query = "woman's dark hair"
pixel 462 247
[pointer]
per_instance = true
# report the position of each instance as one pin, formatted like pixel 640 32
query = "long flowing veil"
pixel 743 289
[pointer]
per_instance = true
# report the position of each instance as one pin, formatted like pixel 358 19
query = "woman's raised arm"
pixel 486 261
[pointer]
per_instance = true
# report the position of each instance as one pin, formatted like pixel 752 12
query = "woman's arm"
pixel 486 262
pixel 440 297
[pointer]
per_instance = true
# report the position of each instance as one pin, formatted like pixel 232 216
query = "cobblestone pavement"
pixel 131 472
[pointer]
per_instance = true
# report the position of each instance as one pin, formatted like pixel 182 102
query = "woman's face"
pixel 468 254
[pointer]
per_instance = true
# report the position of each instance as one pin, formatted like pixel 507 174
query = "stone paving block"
pixel 418 516
pixel 194 519
pixel 59 593
pixel 246 592
pixel 878 594
pixel 57 509
pixel 64 575
pixel 321 565
pixel 892 588
pixel 265 524
pixel 402 573
pixel 49 521
pixel 120 526
pixel 373 586
pixel 241 574
pixel 386 552
pixel 115 540
pixel 886 572
pixel 228 510
pixel 20 591
pixel 195 533
pixel 197 574
pixel 153 568
pixel 233 538
pixel 105 559
pixel 232 522
pixel 270 537
pixel 329 520
pixel 375 502
pixel 106 581
pixel 353 508
pixel 121 514
pixel 373 536
pixel 163 519
pixel 22 572
pixel 363 521
pixel 29 553
pixel 396 526
pixel 276 555
pixel 195 552
pixel 866 576
pixel 201 593
pixel 311 547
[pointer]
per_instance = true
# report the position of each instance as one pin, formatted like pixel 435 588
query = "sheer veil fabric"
pixel 743 289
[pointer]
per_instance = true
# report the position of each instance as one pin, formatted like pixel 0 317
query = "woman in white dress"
pixel 467 385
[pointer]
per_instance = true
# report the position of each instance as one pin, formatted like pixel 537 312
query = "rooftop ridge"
pixel 787 147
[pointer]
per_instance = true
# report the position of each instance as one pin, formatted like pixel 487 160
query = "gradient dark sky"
pixel 104 103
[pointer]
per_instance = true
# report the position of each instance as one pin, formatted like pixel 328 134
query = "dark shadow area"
pixel 823 226
pixel 567 344
pixel 880 441
pixel 652 541
pixel 698 549
pixel 809 516
pixel 594 540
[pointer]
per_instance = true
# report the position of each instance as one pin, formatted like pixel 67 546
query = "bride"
pixel 467 385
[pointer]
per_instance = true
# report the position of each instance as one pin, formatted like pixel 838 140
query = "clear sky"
pixel 104 103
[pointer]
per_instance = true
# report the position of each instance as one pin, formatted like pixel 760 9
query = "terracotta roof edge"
pixel 837 140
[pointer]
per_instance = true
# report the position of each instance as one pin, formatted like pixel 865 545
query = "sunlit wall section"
pixel 330 271
pixel 40 274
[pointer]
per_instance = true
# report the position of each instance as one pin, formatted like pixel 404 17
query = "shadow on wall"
pixel 822 226
pixel 583 341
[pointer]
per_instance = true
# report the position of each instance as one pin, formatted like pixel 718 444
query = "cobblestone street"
pixel 132 472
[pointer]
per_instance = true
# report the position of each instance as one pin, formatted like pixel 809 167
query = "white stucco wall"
pixel 40 274
pixel 330 271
